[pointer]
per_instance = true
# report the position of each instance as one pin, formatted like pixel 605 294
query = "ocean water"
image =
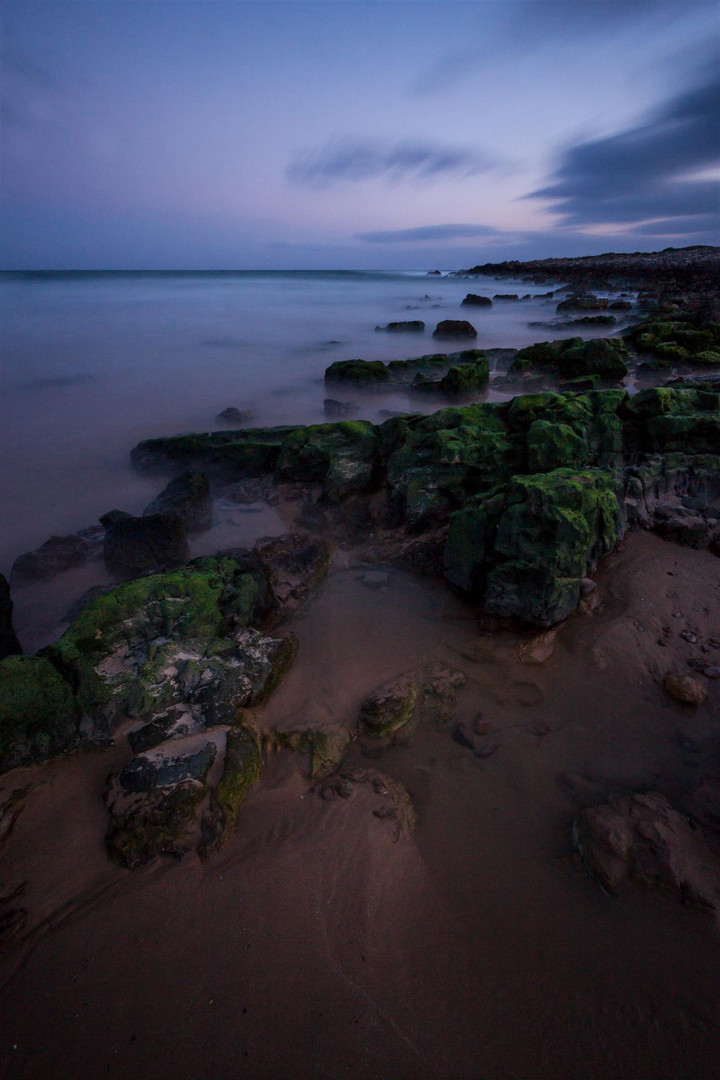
pixel 93 363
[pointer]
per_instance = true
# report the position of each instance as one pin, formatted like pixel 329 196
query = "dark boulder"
pixel 582 302
pixel 38 711
pixel 506 296
pixel 473 300
pixel 187 496
pixel 137 545
pixel 9 644
pixel 56 555
pixel 333 407
pixel 454 328
pixel 231 415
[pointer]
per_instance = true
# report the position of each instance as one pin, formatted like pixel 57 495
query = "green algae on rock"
pixel 358 372
pixel 388 709
pixel 228 454
pixel 523 553
pixel 341 456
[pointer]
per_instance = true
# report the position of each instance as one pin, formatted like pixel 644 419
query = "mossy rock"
pixel 165 640
pixel 604 357
pixel 706 358
pixel 38 711
pixel 241 771
pixel 554 446
pixel 523 551
pixel 326 747
pixel 228 454
pixel 359 372
pixel 341 456
pixel 390 708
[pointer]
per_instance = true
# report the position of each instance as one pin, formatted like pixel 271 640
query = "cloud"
pixel 353 160
pixel 641 174
pixel 427 233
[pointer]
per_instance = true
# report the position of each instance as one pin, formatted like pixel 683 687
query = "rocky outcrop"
pixel 459 380
pixel 474 300
pixel 333 407
pixel 188 496
pixel 641 839
pixel 390 708
pixel 342 457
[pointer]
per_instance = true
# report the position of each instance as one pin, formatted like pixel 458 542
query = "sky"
pixel 355 134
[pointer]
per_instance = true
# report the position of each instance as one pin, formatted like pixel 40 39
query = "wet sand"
pixel 321 943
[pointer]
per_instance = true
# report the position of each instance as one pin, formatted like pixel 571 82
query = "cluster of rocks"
pixel 180 654
pixel 527 494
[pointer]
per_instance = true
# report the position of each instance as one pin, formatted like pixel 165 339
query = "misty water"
pixel 93 363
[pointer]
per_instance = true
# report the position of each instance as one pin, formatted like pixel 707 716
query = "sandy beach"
pixel 324 941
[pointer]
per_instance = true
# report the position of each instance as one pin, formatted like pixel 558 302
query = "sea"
pixel 92 363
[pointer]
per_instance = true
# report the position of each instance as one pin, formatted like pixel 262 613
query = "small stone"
pixel 677 615
pixel 687 635
pixel 587 586
pixel 712 672
pixel 684 688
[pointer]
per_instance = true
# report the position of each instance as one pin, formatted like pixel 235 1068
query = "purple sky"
pixel 349 134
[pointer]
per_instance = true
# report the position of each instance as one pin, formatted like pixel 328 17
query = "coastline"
pixel 533 565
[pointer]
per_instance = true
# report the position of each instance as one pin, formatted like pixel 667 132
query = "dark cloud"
pixel 351 160
pixel 643 173
pixel 427 232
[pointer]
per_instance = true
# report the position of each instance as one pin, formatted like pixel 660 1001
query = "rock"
pixel 388 709
pixel 135 545
pixel 294 566
pixel 594 320
pixel 506 296
pixel 38 711
pixel 538 649
pixel 57 554
pixel 188 496
pixel 236 416
pixel 473 300
pixel 587 586
pixel 620 305
pixel 341 456
pixel 149 771
pixel 365 373
pixel 684 688
pixel 9 644
pixel 153 804
pixel 454 328
pixel 703 804
pixel 241 771
pixel 340 408
pixel 459 379
pixel 229 455
pixel 582 302
pixel 411 326
pixel 525 554
pixel 574 358
pixel 326 747
pixel 439 691
pixel 175 641
pixel 640 838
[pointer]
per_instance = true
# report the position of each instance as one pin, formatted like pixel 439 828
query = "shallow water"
pixel 93 363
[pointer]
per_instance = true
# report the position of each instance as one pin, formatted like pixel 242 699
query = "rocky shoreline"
pixel 515 507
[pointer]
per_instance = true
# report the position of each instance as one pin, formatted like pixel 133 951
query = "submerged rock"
pixel 229 455
pixel 388 709
pixel 640 838
pixel 459 379
pixel 454 328
pixel 188 496
pixel 474 300
pixel 340 408
pixel 57 554
pixel 412 326
pixel 232 415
